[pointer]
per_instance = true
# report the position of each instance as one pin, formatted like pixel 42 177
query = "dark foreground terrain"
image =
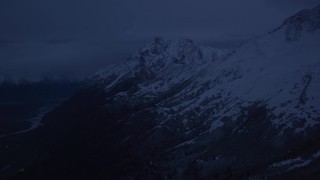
pixel 22 107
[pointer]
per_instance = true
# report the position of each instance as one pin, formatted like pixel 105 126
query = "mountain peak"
pixel 186 44
pixel 161 53
pixel 307 20
pixel 185 41
pixel 156 46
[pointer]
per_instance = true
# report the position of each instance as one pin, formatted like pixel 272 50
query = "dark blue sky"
pixel 78 36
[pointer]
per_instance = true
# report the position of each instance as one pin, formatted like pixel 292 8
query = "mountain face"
pixel 179 110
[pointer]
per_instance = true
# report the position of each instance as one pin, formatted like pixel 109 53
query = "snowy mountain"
pixel 273 70
pixel 180 110
pixel 157 57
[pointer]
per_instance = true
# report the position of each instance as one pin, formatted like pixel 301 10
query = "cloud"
pixel 40 34
pixel 112 20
